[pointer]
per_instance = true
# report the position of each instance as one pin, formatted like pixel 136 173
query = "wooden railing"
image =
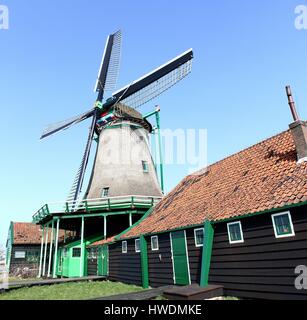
pixel 92 205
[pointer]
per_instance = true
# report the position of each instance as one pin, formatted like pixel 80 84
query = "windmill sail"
pixel 78 182
pixel 63 125
pixel 109 68
pixel 156 82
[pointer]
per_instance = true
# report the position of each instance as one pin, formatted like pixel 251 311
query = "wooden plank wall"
pixel 263 266
pixel 125 267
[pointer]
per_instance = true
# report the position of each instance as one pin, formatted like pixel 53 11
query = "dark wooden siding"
pixel 195 254
pixel 28 266
pixel 263 266
pixel 92 261
pixel 125 267
pixel 160 266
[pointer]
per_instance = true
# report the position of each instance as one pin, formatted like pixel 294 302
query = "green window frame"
pixel 145 166
pixel 282 224
pixel 124 247
pixel 137 245
pixel 199 237
pixel 154 242
pixel 235 233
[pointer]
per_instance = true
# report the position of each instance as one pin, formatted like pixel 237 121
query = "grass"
pixel 70 291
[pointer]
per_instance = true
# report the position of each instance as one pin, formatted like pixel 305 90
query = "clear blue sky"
pixel 245 53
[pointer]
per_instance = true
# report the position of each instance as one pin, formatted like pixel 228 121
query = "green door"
pixel 103 261
pixel 180 259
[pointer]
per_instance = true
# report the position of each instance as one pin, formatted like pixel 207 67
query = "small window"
pixel 199 237
pixel 65 252
pixel 235 233
pixel 76 252
pixel 283 226
pixel 154 243
pixel 137 245
pixel 105 192
pixel 124 247
pixel 145 166
pixel 20 254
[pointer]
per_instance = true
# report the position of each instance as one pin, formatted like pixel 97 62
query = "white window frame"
pixel 139 241
pixel 151 239
pixel 21 254
pixel 126 250
pixel 197 244
pixel 228 230
pixel 292 234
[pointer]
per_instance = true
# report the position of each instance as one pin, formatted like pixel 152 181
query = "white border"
pixel 139 245
pixel 292 234
pixel 126 247
pixel 229 238
pixel 195 230
pixel 157 249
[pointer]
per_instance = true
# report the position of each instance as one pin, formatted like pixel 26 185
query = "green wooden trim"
pixel 294 205
pixel 144 262
pixel 146 214
pixel 219 221
pixel 207 252
pixel 93 215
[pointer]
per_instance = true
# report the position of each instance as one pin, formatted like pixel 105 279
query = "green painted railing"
pixel 92 205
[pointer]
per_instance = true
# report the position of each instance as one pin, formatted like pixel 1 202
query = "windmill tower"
pixel 123 178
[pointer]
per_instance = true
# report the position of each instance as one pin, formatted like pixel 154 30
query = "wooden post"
pixel 41 253
pixel 82 248
pixel 50 251
pixel 105 226
pixel 206 255
pixel 45 252
pixel 56 248
pixel 144 262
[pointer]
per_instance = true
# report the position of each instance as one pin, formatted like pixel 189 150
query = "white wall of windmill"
pixel 122 148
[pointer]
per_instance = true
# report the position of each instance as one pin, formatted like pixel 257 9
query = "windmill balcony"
pixel 106 204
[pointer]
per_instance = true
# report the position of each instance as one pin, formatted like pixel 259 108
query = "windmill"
pixel 117 117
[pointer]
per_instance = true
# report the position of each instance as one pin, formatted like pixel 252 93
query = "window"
pixel 282 224
pixel 137 245
pixel 199 237
pixel 65 253
pixel 145 166
pixel 105 192
pixel 20 254
pixel 76 252
pixel 154 243
pixel 124 247
pixel 235 233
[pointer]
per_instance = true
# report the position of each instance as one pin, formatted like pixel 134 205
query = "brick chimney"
pixel 298 130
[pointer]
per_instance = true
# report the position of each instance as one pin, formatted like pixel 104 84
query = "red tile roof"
pixel 103 241
pixel 259 178
pixel 30 233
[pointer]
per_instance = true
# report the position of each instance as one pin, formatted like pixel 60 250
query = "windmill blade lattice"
pixel 63 125
pixel 156 82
